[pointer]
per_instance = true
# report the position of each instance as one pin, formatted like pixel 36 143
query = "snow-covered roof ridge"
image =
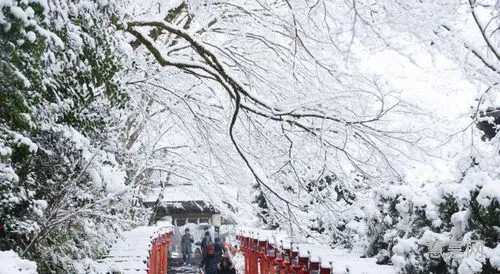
pixel 130 253
pixel 178 193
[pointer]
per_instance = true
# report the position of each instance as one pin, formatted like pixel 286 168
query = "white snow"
pixel 75 38
pixel 31 36
pixel 469 266
pixel 179 193
pixel 460 223
pixel 114 178
pixel 23 78
pixel 39 206
pixel 489 192
pixel 49 35
pixel 431 238
pixel 19 14
pixel 359 227
pixel 20 139
pixel 405 246
pixel 11 263
pixel 4 3
pixel 344 262
pixel 8 173
pixel 130 253
pixel 4 151
pixel 495 257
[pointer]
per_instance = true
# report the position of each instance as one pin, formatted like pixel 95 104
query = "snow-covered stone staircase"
pixel 130 254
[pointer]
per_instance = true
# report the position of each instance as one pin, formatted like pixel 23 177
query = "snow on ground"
pixel 130 253
pixel 11 263
pixel 343 261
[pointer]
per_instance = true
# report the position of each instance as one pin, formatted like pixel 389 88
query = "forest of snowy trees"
pixel 362 124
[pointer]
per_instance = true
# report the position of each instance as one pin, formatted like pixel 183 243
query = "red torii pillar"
pixel 273 260
pixel 325 270
pixel 245 248
pixel 304 265
pixel 314 267
pixel 254 259
pixel 248 256
pixel 270 257
pixel 278 262
pixel 262 258
pixel 158 255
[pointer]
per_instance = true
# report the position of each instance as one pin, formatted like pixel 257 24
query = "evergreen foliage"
pixel 64 196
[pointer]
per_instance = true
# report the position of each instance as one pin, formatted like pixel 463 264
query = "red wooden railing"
pixel 158 255
pixel 261 257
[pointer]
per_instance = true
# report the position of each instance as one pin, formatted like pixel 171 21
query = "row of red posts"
pixel 261 257
pixel 158 254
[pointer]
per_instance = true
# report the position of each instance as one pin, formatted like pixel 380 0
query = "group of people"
pixel 214 259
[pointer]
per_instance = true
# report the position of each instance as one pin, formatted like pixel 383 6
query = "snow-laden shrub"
pixel 403 223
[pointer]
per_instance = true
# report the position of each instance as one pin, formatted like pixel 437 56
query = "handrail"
pixel 261 257
pixel 229 250
pixel 158 258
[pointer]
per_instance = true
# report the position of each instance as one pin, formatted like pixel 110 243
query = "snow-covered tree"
pixel 287 84
pixel 304 109
pixel 64 193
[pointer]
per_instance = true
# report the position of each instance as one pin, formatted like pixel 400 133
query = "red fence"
pixel 158 255
pixel 261 257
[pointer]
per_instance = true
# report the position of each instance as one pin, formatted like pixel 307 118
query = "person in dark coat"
pixel 219 249
pixel 186 247
pixel 226 266
pixel 206 241
pixel 209 261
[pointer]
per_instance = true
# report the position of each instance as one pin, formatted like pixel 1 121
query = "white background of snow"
pixel 187 192
pixel 178 193
pixel 417 81
pixel 10 263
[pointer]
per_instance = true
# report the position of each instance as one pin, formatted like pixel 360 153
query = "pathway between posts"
pixel 142 250
pixel 176 265
pixel 145 250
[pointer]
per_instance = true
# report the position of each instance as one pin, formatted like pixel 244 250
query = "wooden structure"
pixel 158 254
pixel 183 212
pixel 261 257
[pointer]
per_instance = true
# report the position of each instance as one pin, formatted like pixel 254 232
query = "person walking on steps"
pixel 209 260
pixel 187 250
pixel 226 266
pixel 206 241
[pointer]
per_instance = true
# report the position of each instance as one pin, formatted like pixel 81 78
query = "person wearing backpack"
pixel 209 261
pixel 219 249
pixel 206 241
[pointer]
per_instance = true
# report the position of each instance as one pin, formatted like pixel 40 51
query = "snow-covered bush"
pixel 403 224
